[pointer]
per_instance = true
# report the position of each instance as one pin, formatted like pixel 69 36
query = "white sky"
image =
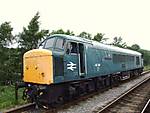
pixel 129 19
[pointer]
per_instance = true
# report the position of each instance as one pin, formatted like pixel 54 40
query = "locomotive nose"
pixel 38 66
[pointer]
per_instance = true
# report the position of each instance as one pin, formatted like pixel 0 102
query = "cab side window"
pixel 72 48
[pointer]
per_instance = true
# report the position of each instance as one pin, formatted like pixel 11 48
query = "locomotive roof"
pixel 100 45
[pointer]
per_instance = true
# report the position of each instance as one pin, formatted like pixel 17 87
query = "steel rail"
pixel 146 107
pixel 21 108
pixel 124 94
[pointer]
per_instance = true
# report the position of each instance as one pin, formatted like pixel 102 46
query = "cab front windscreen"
pixel 55 43
pixel 49 43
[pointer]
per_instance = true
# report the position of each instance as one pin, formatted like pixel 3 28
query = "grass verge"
pixel 7 97
pixel 146 67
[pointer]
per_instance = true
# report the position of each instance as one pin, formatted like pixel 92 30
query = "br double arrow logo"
pixel 71 66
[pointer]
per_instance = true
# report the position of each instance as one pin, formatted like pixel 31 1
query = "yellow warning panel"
pixel 38 66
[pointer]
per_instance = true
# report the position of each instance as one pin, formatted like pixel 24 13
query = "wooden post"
pixel 16 92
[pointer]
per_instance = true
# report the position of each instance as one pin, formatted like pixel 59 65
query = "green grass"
pixel 146 67
pixel 7 97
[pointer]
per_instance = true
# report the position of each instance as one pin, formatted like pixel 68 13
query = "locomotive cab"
pixel 68 58
pixel 38 63
pixel 57 59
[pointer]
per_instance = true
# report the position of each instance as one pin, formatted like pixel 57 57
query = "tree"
pixel 61 31
pixel 6 36
pixel 31 35
pixel 10 68
pixel 99 37
pixel 68 32
pixel 135 47
pixel 85 35
pixel 146 56
pixel 118 42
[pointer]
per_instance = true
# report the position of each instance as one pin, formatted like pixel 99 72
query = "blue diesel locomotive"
pixel 68 66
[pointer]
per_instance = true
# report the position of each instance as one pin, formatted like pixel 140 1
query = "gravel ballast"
pixel 98 101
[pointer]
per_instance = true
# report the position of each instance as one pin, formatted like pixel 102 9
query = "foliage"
pixel 6 60
pixel 85 35
pixel 147 67
pixel 146 56
pixel 61 31
pixel 7 97
pixel 6 36
pixel 100 37
pixel 11 58
pixel 68 32
pixel 118 41
pixel 31 35
pixel 10 68
pixel 145 53
pixel 135 47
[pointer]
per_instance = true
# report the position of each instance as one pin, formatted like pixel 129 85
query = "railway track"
pixel 146 108
pixel 28 108
pixel 131 101
pixel 22 108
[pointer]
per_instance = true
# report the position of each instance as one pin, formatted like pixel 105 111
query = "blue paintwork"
pixel 72 72
pixel 99 60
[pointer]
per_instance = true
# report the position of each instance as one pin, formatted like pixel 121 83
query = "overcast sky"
pixel 129 19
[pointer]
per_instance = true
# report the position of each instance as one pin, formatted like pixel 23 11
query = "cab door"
pixel 71 62
pixel 82 61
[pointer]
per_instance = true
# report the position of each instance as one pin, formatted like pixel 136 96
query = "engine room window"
pixel 117 58
pixel 60 44
pixel 137 61
pixel 49 43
